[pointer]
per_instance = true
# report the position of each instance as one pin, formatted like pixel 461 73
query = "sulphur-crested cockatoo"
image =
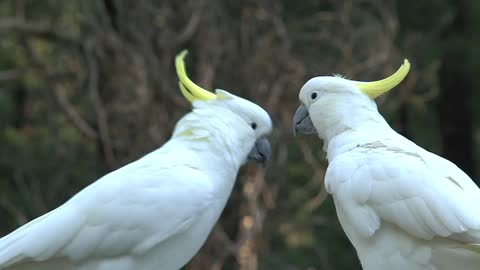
pixel 402 207
pixel 154 213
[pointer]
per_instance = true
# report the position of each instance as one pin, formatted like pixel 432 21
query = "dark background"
pixel 87 86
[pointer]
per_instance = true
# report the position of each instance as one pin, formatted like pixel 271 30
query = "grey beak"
pixel 260 151
pixel 302 123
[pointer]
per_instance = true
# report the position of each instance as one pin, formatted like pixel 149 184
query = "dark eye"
pixel 314 95
pixel 253 125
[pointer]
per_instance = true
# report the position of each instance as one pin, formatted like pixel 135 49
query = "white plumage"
pixel 155 213
pixel 402 207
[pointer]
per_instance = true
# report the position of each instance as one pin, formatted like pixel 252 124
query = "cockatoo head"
pixel 224 119
pixel 332 104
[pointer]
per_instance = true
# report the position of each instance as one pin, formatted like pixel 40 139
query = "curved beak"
pixel 260 151
pixel 302 123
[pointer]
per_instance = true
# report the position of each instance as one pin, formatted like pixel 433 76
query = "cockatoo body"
pixel 155 213
pixel 402 207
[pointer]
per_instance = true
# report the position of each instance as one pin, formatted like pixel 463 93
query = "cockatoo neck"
pixel 347 124
pixel 211 132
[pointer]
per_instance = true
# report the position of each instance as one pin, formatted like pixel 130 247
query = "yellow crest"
pixel 190 90
pixel 376 88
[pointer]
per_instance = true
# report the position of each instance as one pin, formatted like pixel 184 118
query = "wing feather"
pixel 423 194
pixel 40 238
pixel 129 210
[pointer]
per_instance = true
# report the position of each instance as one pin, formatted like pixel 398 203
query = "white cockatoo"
pixel 402 207
pixel 154 213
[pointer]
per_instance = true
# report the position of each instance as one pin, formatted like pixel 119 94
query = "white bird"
pixel 402 207
pixel 154 213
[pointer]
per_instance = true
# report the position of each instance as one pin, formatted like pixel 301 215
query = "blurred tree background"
pixel 87 86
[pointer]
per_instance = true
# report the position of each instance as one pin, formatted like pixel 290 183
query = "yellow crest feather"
pixel 376 88
pixel 190 90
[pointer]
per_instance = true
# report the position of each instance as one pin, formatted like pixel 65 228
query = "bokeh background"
pixel 87 86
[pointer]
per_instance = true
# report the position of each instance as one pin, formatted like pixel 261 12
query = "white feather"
pixel 401 206
pixel 152 214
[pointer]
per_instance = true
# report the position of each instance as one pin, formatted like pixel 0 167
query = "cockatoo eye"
pixel 313 95
pixel 253 125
